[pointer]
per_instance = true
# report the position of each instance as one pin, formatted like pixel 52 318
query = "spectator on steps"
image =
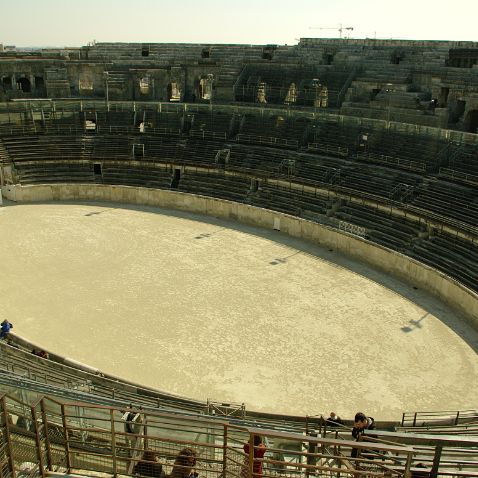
pixel 6 326
pixel 40 353
pixel 149 466
pixel 184 464
pixel 333 420
pixel 132 427
pixel 361 423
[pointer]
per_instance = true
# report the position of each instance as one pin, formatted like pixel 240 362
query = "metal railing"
pixel 419 166
pixel 329 149
pixel 267 140
pixel 439 417
pixel 458 175
pixel 46 435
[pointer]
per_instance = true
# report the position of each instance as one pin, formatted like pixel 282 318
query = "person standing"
pixel 6 326
pixel 259 452
pixel 361 423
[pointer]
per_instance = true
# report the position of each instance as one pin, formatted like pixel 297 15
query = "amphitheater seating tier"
pixel 223 151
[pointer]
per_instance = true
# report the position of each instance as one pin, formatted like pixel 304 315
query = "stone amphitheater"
pixel 214 242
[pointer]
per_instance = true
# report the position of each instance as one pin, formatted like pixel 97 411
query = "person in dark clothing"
pixel 148 466
pixel 420 471
pixel 184 464
pixel 361 423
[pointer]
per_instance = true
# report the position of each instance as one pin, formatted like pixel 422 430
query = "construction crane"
pixel 340 28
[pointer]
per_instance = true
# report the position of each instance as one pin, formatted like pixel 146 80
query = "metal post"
pixel 8 437
pixel 145 431
pixel 224 451
pixel 47 438
pixel 67 444
pixel 311 458
pixel 251 455
pixel 113 443
pixel 37 441
pixel 408 464
pixel 436 461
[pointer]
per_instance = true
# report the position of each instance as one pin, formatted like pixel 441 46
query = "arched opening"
pixel 291 96
pixel 261 93
pixel 144 84
pixel 174 92
pixel 327 58
pixel 85 85
pixel 23 84
pixel 205 87
pixel 321 94
pixel 471 121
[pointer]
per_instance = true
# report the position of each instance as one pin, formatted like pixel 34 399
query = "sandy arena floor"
pixel 208 309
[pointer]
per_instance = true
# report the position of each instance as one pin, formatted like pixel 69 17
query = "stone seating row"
pixel 53 372
pixel 297 132
pixel 275 126
pixel 460 202
pixel 397 234
pixel 219 122
pixel 234 188
pixel 289 201
pixel 441 259
pixel 136 175
pixel 371 179
pixel 437 196
pixel 397 145
pixel 465 159
pixel 57 172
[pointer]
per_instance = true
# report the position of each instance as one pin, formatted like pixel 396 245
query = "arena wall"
pixel 394 263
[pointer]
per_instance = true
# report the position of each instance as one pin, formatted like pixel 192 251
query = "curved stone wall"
pixel 394 263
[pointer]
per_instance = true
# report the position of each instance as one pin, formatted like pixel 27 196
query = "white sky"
pixel 77 22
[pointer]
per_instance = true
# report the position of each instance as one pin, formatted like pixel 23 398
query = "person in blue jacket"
pixel 6 326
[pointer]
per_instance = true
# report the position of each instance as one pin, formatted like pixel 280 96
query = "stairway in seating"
pixel 176 179
pixel 87 146
pixel 118 79
pixel 4 156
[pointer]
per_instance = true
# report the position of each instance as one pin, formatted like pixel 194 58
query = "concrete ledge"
pixel 444 287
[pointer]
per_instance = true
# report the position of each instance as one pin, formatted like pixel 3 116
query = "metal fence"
pixel 49 436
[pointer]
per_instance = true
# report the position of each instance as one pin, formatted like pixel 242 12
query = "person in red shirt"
pixel 259 451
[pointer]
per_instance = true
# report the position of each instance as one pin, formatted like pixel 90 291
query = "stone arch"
pixel 174 91
pixel 261 92
pixel 204 90
pixel 291 96
pixel 24 84
pixel 144 85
